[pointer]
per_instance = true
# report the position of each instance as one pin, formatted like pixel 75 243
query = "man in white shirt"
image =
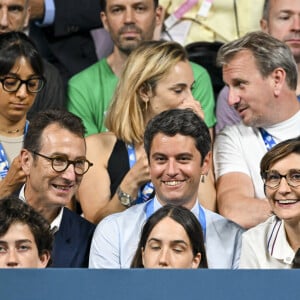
pixel 177 143
pixel 261 74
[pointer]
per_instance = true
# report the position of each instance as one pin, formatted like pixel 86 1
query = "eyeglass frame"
pixel 286 176
pixel 21 81
pixel 69 162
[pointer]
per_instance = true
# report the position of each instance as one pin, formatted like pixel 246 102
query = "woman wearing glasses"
pixel 273 244
pixel 21 79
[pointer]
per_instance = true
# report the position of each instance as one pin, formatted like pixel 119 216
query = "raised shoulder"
pixel 100 146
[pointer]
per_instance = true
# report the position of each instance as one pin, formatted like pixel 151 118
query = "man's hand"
pixel 14 178
pixel 37 9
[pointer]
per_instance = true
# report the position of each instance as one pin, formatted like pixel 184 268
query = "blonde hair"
pixel 145 66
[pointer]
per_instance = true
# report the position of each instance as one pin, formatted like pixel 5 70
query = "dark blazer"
pixel 53 94
pixel 72 242
pixel 68 43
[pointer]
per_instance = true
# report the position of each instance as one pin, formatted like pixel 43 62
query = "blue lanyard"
pixel 268 139
pixel 146 193
pixel 149 210
pixel 4 164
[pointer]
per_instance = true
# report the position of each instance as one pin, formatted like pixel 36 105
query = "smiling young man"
pixel 261 74
pixel 177 143
pixel 53 160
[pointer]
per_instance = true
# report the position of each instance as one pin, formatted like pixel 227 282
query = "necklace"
pixel 11 131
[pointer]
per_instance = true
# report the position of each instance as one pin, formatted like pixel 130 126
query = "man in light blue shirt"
pixel 177 143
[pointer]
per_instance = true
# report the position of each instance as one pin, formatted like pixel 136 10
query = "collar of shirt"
pixel 194 210
pixel 55 224
pixel 278 245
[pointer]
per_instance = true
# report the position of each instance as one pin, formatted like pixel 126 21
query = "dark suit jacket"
pixel 72 242
pixel 53 94
pixel 68 43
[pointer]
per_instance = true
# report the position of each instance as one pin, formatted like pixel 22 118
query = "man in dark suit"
pixel 53 159
pixel 64 39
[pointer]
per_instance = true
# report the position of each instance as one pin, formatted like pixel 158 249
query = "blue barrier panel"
pixel 84 284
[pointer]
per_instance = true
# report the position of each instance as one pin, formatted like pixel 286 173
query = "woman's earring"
pixel 146 105
pixel 202 178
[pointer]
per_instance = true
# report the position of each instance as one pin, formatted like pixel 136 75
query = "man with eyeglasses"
pixel 275 243
pixel 53 160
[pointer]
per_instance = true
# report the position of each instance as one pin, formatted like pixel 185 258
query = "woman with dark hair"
pixel 21 77
pixel 274 243
pixel 171 238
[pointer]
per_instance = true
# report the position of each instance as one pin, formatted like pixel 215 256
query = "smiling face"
pixel 168 246
pixel 285 200
pixel 175 169
pixel 172 91
pixel 18 249
pixel 130 21
pixel 284 23
pixel 44 185
pixel 14 15
pixel 249 93
pixel 15 105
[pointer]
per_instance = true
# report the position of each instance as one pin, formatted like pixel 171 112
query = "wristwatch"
pixel 124 198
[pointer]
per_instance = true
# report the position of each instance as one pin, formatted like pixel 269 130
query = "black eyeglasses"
pixel 273 178
pixel 12 84
pixel 60 163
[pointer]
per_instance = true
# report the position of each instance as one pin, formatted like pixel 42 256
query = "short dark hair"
pixel 14 45
pixel 103 4
pixel 278 152
pixel 186 219
pixel 63 118
pixel 13 210
pixel 266 10
pixel 179 121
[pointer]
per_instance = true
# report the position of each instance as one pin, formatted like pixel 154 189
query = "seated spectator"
pixel 15 16
pixel 157 76
pixel 273 244
pixel 25 236
pixel 90 101
pixel 54 162
pixel 261 74
pixel 284 28
pixel 171 238
pixel 21 77
pixel 178 147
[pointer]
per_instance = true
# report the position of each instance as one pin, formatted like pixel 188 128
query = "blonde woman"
pixel 156 77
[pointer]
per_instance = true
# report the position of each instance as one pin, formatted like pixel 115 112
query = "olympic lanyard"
pixel 149 209
pixel 4 164
pixel 268 139
pixel 146 193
